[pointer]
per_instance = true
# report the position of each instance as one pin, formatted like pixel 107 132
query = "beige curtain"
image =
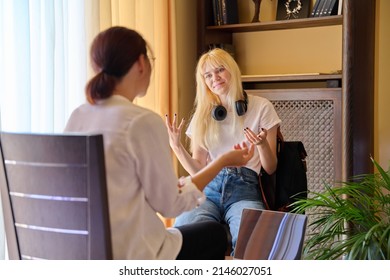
pixel 155 20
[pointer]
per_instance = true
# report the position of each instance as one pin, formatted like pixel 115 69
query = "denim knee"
pixel 207 211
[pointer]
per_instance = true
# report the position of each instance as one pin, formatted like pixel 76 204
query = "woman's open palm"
pixel 174 131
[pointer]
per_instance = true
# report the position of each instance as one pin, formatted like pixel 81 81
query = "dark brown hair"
pixel 113 52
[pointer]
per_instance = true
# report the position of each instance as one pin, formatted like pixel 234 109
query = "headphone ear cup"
pixel 219 113
pixel 241 107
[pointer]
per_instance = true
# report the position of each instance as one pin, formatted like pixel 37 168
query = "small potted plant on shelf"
pixel 351 220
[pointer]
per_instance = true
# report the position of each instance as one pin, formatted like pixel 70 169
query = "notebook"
pixel 270 235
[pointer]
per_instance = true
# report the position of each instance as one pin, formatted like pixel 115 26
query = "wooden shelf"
pixel 278 25
pixel 293 81
pixel 290 78
pixel 298 94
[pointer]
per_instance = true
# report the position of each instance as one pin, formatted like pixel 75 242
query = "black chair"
pixel 54 196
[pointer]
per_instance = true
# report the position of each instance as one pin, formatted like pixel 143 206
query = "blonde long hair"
pixel 205 129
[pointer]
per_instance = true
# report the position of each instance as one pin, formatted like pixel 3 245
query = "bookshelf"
pixel 342 104
pixel 280 24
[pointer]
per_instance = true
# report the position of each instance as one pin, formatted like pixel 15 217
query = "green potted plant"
pixel 351 220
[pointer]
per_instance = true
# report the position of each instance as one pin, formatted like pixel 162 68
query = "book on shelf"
pixel 229 11
pixel 315 6
pixel 225 12
pixel 340 7
pixel 325 7
pixel 319 8
pixel 291 10
pixel 333 8
pixel 216 13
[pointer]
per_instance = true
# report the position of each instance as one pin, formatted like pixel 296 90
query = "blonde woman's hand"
pixel 174 131
pixel 239 156
pixel 255 139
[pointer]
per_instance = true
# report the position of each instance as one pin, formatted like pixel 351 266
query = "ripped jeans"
pixel 232 190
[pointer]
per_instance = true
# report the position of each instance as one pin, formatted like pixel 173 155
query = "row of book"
pixel 225 12
pixel 324 8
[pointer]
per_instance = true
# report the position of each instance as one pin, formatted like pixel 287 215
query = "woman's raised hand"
pixel 174 131
pixel 255 139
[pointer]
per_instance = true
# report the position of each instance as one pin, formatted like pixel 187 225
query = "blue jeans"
pixel 232 190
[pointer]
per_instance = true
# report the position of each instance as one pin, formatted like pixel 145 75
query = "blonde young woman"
pixel 225 114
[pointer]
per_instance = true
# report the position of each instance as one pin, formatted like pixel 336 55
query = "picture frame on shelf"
pixel 292 9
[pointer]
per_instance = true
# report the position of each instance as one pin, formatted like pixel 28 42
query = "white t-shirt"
pixel 260 114
pixel 140 177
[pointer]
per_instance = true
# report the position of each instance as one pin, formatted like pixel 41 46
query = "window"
pixel 43 63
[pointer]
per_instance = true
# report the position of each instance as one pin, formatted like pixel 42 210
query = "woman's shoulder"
pixel 141 118
pixel 258 100
pixel 134 111
pixel 119 109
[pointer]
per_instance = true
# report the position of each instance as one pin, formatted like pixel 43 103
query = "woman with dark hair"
pixel 140 179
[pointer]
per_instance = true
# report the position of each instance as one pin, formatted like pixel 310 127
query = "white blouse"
pixel 140 179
